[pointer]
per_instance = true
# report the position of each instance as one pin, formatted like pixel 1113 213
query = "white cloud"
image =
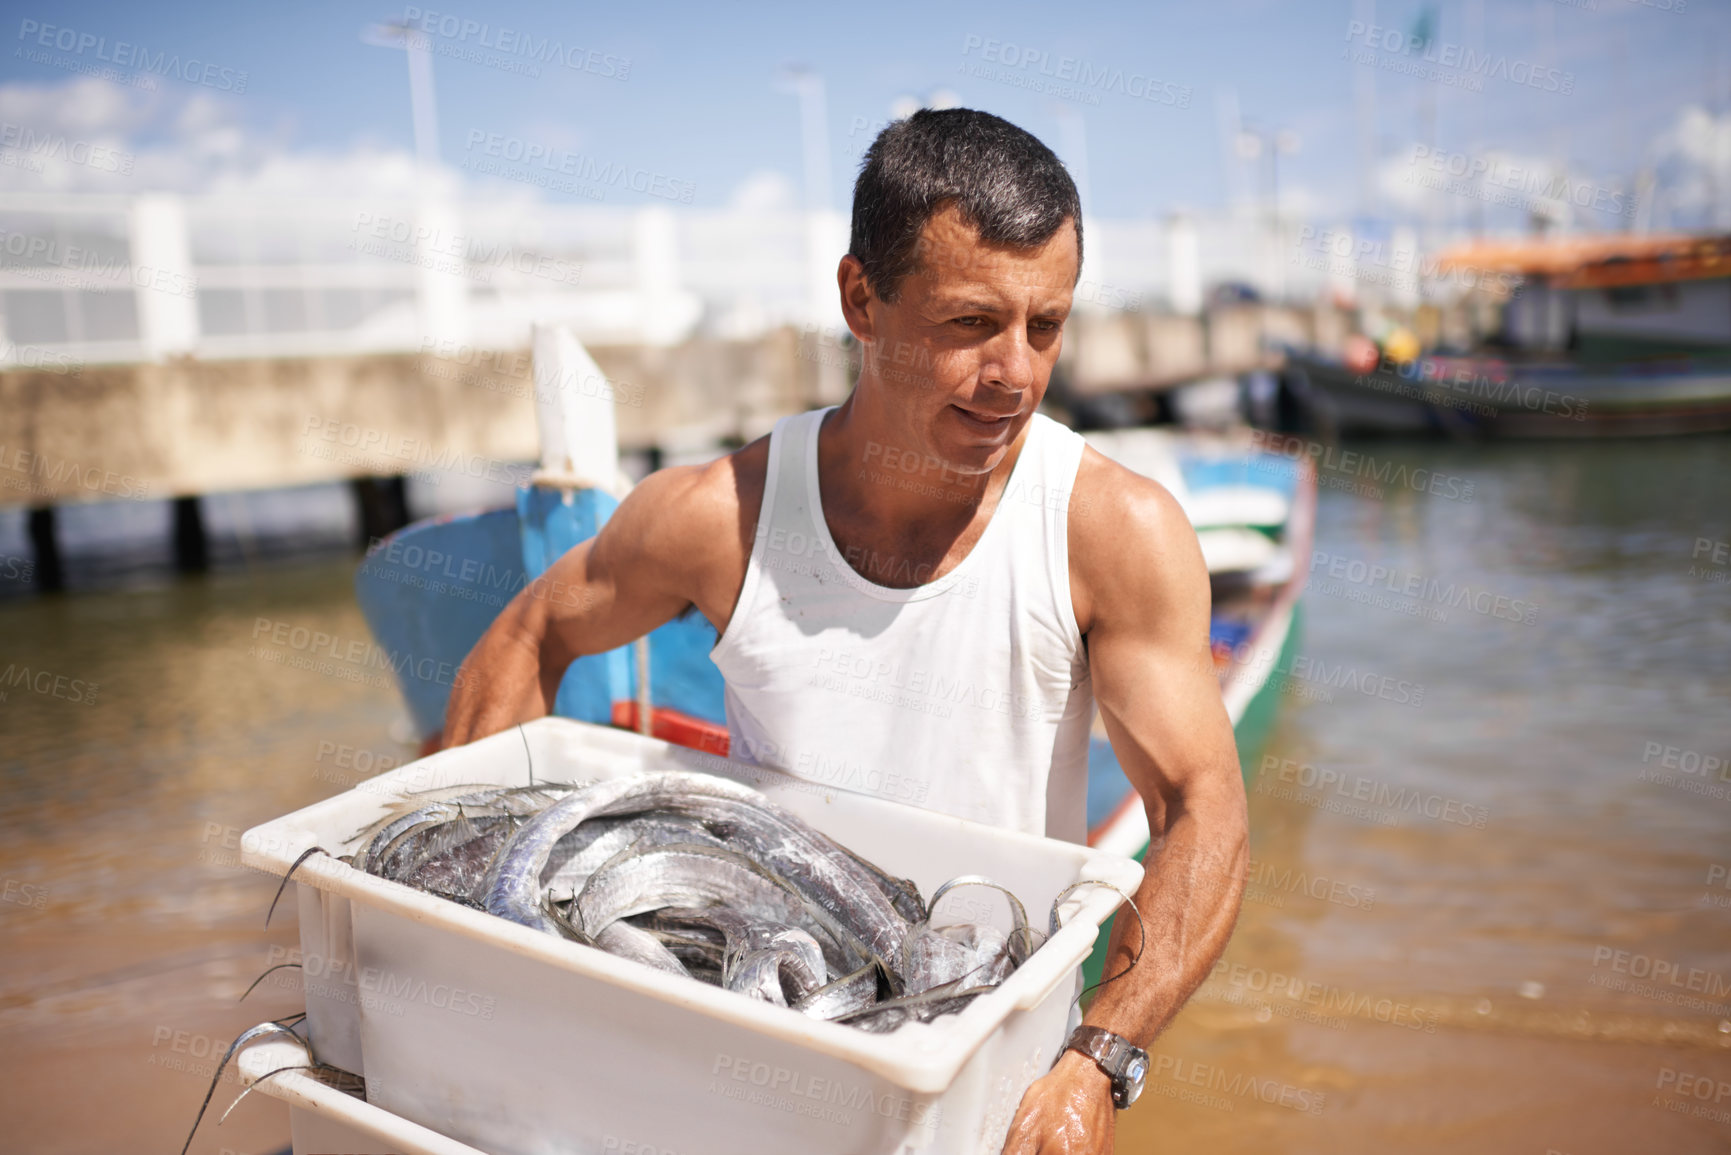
pixel 91 135
pixel 1692 164
pixel 81 107
pixel 764 191
pixel 1500 188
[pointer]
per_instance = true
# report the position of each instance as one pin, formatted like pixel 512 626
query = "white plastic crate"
pixel 519 1042
pixel 323 1119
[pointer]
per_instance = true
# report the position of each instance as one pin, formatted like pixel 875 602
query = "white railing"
pixel 88 280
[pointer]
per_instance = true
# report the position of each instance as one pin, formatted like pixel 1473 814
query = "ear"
pixel 856 298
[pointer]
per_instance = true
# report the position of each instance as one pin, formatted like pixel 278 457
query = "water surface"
pixel 1459 911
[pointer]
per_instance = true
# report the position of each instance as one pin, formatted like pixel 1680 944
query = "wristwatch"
pixel 1124 1062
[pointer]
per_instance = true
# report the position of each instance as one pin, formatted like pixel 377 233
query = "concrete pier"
pixel 185 427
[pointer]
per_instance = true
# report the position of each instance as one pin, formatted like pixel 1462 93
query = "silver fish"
pixel 845 996
pixel 697 875
pixel 934 956
pixel 698 948
pixel 459 854
pixel 993 951
pixel 888 1015
pixel 620 938
pixel 615 834
pixel 371 858
pixel 392 850
pixel 902 893
pixel 635 881
pixel 773 975
pixel 931 958
pixel 741 935
pixel 627 941
pixel 514 884
pixel 400 813
pixel 849 901
pixel 1023 939
pixel 846 899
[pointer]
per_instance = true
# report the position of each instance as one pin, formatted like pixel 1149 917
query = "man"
pixel 935 584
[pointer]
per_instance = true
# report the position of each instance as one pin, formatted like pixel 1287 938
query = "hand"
pixel 1067 1111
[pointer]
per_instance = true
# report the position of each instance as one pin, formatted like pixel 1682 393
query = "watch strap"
pixel 1097 1043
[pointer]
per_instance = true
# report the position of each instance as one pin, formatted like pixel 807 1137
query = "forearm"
pixel 512 675
pixel 1189 900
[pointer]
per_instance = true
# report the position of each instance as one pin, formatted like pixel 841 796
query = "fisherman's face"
pixel 965 352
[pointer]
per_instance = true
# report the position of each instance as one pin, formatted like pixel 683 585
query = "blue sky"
pixel 700 103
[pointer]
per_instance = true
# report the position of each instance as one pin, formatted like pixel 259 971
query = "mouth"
pixel 989 424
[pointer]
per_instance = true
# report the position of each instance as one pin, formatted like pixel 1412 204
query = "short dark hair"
pixel 1006 184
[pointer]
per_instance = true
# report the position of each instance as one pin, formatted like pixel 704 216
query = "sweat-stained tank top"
pixel 968 695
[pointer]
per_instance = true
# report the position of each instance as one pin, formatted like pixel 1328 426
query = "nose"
pixel 1009 360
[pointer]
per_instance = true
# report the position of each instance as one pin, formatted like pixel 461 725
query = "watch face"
pixel 1135 1074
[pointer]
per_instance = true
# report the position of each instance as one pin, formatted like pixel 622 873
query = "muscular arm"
pixel 1142 599
pixel 676 541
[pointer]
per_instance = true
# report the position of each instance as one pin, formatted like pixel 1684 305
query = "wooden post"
pixel 50 576
pixel 191 548
pixel 383 506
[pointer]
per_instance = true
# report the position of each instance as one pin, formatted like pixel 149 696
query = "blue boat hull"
pixel 429 591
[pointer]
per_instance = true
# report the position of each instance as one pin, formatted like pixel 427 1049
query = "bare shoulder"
pixel 1133 552
pixel 692 526
pixel 682 502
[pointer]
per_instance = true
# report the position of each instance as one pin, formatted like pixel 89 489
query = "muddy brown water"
pixel 1491 914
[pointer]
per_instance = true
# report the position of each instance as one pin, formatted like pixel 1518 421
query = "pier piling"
pixel 191 548
pixel 50 575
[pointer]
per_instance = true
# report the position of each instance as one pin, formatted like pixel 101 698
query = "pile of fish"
pixel 699 876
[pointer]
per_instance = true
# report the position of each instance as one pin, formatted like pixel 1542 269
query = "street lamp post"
pixel 419 51
pixel 825 234
pixel 443 296
pixel 814 132
pixel 1254 142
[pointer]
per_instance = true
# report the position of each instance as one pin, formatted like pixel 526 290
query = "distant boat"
pixel 1600 337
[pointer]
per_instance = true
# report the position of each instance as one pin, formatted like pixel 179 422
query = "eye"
pixel 971 322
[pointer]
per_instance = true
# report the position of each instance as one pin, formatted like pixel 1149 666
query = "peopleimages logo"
pixel 415 242
pixel 135 56
pixel 1339 251
pixel 1658 970
pixel 1391 801
pixel 1274 882
pixel 1468 175
pixel 58 146
pixel 52 477
pixel 1232 1085
pixel 47 683
pixel 71 266
pixel 1350 464
pixel 798 1093
pixel 457 34
pixel 1452 62
pixel 1444 595
pixel 1069 76
pixel 588 172
pixel 345 980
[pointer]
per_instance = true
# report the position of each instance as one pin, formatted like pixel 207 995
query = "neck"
pixel 873 467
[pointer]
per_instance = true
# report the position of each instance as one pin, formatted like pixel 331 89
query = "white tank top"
pixel 968 695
